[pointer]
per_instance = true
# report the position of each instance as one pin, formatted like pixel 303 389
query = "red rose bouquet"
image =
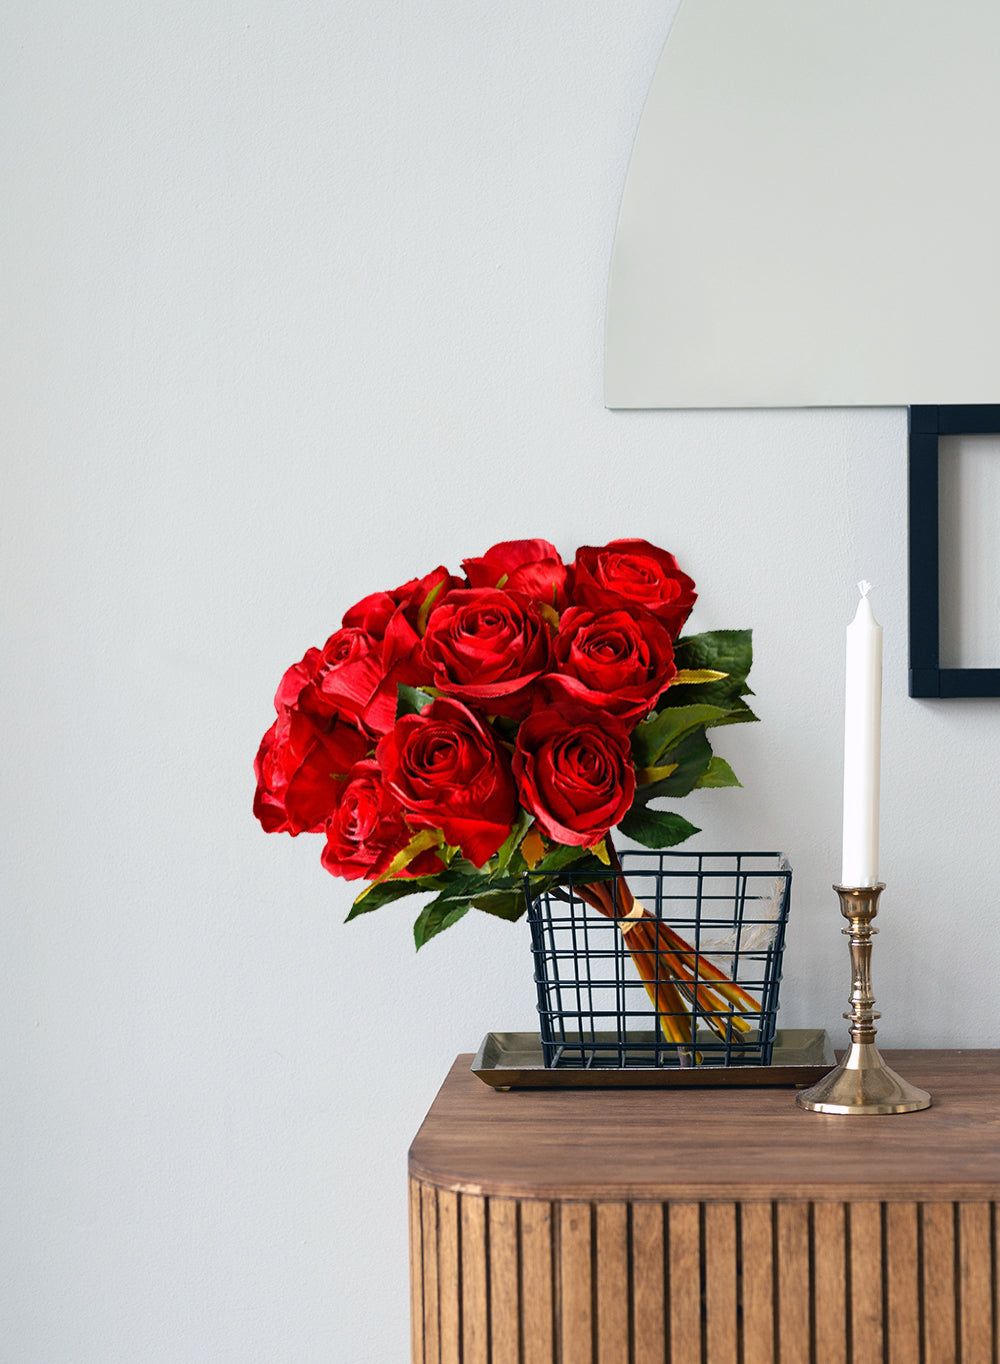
pixel 456 733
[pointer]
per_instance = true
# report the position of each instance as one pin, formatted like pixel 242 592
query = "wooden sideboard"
pixel 725 1226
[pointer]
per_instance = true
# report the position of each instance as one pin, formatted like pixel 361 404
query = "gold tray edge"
pixel 640 1077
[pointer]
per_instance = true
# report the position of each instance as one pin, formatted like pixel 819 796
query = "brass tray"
pixel 513 1060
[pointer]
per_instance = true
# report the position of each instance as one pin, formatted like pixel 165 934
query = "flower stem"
pixel 681 982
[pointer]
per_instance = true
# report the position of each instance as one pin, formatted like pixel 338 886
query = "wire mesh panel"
pixel 674 960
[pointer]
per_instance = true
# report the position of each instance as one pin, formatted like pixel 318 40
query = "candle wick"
pixel 864 588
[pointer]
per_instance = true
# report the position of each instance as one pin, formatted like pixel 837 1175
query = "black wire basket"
pixel 678 965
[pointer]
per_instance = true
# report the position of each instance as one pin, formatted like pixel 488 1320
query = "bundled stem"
pixel 680 981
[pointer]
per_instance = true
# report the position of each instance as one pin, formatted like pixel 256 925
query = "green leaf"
pixel 693 756
pixel 435 917
pixel 565 856
pixel 719 774
pixel 656 828
pixel 514 839
pixel 729 651
pixel 739 713
pixel 411 700
pixel 461 887
pixel 384 892
pixel 726 651
pixel 654 738
pixel 580 862
pixel 726 696
pixel 505 904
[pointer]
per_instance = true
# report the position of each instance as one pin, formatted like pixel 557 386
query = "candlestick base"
pixel 862 1083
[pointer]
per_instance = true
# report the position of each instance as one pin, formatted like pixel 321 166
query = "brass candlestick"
pixel 862 1083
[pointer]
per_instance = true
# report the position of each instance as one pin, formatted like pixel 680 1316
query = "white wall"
pixel 301 300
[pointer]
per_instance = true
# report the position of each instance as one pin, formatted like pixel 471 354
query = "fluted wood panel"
pixel 575 1278
pixel 431 1294
pixel 938 1288
pixel 902 1271
pixel 529 1281
pixel 416 1276
pixel 449 1278
pixel 791 1283
pixel 683 1329
pixel 721 1289
pixel 648 1286
pixel 757 1281
pixel 829 1283
pixel 537 1296
pixel 473 1284
pixel 864 1222
pixel 505 1284
pixel 611 1287
pixel 975 1294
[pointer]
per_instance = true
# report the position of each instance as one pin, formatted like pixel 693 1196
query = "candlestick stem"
pixel 862 1083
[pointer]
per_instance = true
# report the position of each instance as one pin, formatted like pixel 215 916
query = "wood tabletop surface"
pixel 705 1144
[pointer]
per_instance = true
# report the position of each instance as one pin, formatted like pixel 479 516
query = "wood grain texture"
pixel 939 1281
pixel 449 1277
pixel 537 1278
pixel 416 1276
pixel 865 1289
pixel 648 1283
pixel 975 1235
pixel 829 1290
pixel 792 1282
pixel 756 1250
pixel 902 1270
pixel 502 1282
pixel 721 1334
pixel 996 1280
pixel 612 1286
pixel 505 1307
pixel 475 1282
pixel 576 1322
pixel 705 1144
pixel 428 1240
pixel 684 1271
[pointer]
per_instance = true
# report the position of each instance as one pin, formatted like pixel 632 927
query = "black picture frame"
pixel 926 426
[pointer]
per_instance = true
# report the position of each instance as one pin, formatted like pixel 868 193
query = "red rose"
pixel 300 768
pixel 618 661
pixel 574 772
pixel 339 678
pixel 448 771
pixel 362 678
pixel 367 830
pixel 529 566
pixel 633 573
pixel 356 673
pixel 487 647
pixel 415 599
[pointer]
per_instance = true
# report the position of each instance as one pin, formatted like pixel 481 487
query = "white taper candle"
pixel 862 746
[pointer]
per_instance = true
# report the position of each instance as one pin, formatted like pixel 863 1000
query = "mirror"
pixel 811 213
